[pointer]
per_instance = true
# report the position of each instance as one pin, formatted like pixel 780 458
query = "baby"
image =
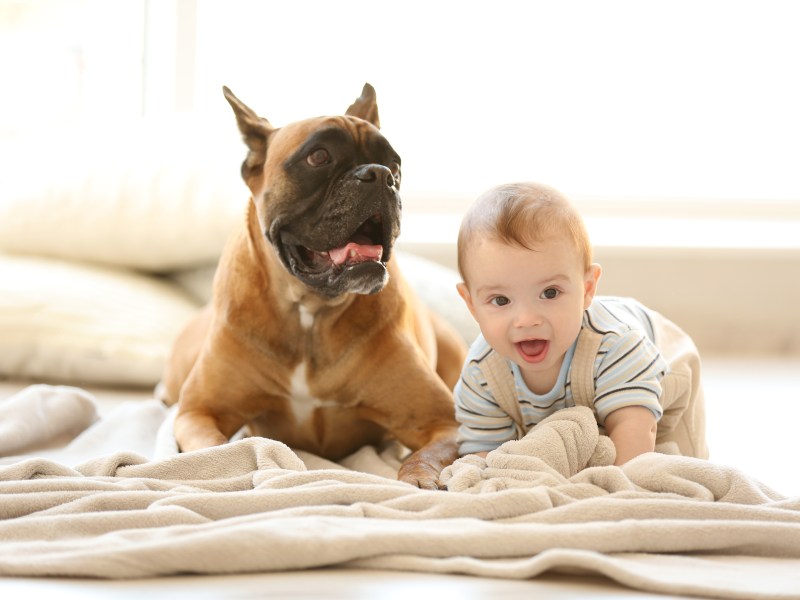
pixel 548 342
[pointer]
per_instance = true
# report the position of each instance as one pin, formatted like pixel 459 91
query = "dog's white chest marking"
pixel 303 403
pixel 306 317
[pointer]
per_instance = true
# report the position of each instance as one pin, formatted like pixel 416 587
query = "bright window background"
pixel 609 98
pixel 623 99
pixel 674 124
pixel 67 61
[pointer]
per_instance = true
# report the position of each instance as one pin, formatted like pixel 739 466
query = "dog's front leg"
pixel 422 468
pixel 218 398
pixel 416 407
pixel 195 430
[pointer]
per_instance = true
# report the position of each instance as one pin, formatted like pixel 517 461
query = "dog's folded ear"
pixel 255 132
pixel 366 106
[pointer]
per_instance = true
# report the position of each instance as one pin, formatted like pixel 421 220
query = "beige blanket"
pixel 118 502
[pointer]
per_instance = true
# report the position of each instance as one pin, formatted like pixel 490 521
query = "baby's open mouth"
pixel 533 350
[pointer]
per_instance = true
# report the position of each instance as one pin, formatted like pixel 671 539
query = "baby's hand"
pixel 464 473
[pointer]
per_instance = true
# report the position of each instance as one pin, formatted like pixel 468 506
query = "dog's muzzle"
pixel 343 244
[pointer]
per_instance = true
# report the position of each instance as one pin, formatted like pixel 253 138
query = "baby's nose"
pixel 527 316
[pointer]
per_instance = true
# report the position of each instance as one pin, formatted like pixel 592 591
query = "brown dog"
pixel 313 337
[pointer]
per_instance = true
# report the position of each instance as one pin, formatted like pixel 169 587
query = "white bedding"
pixel 117 502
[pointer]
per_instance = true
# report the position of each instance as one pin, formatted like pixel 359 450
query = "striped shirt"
pixel 627 372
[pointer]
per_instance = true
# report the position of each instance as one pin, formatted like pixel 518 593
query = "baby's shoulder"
pixel 478 351
pixel 627 329
pixel 617 317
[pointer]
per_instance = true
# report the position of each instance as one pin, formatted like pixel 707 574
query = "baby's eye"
pixel 499 300
pixel 549 294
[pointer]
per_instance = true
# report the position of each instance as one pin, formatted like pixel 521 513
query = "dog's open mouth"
pixel 365 245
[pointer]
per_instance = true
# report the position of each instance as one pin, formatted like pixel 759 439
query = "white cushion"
pixel 435 284
pixel 68 322
pixel 151 196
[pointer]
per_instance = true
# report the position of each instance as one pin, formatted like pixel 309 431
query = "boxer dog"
pixel 312 337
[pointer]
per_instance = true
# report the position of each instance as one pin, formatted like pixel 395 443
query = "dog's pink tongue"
pixel 355 253
pixel 532 347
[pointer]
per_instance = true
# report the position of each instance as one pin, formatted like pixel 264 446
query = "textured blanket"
pixel 111 498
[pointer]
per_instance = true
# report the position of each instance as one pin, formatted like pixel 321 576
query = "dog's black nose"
pixel 374 174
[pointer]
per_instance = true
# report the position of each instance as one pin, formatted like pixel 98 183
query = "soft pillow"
pixel 68 322
pixel 151 196
pixel 436 286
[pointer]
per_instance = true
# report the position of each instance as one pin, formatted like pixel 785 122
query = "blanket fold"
pixel 562 445
pixel 551 501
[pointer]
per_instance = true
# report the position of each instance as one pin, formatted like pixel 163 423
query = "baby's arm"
pixel 633 431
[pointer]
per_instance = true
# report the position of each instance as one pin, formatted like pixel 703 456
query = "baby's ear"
pixel 590 284
pixel 463 291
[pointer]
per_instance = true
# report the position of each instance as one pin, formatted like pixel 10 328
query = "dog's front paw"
pixel 420 474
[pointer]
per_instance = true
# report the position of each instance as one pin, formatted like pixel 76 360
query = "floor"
pixel 753 417
pixel 753 411
pixel 337 584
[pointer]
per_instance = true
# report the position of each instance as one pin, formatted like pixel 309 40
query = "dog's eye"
pixel 318 157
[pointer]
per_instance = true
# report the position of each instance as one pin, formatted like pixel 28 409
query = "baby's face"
pixel 529 303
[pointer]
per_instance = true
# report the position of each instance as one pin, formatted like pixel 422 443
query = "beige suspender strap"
pixel 582 370
pixel 501 384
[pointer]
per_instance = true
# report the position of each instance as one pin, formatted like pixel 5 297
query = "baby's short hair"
pixel 523 215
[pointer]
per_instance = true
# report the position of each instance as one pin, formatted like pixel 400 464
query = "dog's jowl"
pixel 312 336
